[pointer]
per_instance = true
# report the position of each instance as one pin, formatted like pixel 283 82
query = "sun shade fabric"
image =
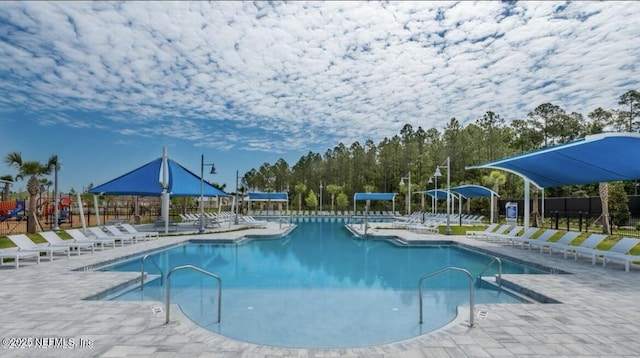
pixel 374 196
pixel 596 158
pixel 439 194
pixel 473 191
pixel 145 181
pixel 182 182
pixel 141 181
pixel 259 196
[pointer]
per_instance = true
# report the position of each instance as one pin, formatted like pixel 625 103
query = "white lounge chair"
pixel 103 235
pixel 498 237
pixel 586 247
pixel 249 220
pixel 561 244
pixel 54 240
pixel 475 233
pixel 147 234
pixel 79 236
pixel 24 243
pixel 542 239
pixel 17 255
pixel 520 240
pixel 115 232
pixel 618 252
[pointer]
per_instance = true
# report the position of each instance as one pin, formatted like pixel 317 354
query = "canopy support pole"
pixel 527 203
pixel 95 205
pixel 165 194
pixel 81 209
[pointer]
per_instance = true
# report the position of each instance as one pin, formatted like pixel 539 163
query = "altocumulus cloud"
pixel 267 74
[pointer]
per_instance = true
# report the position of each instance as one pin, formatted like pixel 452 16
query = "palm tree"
pixel 32 169
pixel 300 189
pixel 495 179
pixel 333 189
pixel 603 191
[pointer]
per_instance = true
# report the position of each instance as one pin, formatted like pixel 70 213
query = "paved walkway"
pixel 599 313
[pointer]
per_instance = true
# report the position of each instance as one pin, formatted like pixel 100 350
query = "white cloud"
pixel 310 74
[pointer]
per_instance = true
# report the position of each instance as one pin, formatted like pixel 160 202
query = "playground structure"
pixel 12 211
pixel 46 206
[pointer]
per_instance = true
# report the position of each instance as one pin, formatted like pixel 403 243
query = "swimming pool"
pixel 318 287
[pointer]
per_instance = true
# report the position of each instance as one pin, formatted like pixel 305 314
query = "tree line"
pixel 378 167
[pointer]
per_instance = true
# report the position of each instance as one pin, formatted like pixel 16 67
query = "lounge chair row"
pixel 619 252
pixel 99 236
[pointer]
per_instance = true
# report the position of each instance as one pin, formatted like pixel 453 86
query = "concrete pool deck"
pixel 599 313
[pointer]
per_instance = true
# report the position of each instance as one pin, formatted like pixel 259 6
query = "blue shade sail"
pixel 374 196
pixel 259 196
pixel 145 181
pixel 596 158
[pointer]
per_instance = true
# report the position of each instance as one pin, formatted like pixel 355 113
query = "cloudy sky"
pixel 107 85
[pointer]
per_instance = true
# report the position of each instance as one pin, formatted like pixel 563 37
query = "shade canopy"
pixel 439 194
pixel 259 196
pixel 145 181
pixel 473 191
pixel 374 196
pixel 596 158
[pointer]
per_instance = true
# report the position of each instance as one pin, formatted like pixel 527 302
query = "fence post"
pixel 556 219
pixel 566 215
pixel 579 220
pixel 586 224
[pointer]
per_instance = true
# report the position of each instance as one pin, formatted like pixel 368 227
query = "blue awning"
pixel 473 191
pixel 141 181
pixel 183 182
pixel 596 158
pixel 439 194
pixel 259 196
pixel 374 196
pixel 145 181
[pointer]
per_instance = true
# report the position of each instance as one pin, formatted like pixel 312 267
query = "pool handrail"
pixel 495 259
pixel 450 268
pixel 168 288
pixel 142 271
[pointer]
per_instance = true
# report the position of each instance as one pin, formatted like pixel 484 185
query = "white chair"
pixel 561 244
pixel 24 243
pixel 103 235
pixel 618 252
pixel 542 239
pixel 147 234
pixel 79 236
pixel 475 233
pixel 17 255
pixel 54 240
pixel 115 232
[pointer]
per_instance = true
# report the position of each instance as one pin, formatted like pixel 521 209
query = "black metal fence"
pixel 581 214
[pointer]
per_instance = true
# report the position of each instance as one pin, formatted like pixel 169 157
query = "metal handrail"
pixel 142 271
pixel 168 289
pixel 495 258
pixel 471 322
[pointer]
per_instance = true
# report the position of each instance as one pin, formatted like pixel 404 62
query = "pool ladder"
pixel 142 271
pixel 451 268
pixel 168 288
pixel 495 259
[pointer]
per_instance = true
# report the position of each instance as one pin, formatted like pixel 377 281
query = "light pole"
pixel 447 229
pixel 434 198
pixel 235 220
pixel 213 171
pixel 408 177
pixel 56 218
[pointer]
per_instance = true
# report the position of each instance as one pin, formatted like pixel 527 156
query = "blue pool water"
pixel 319 287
